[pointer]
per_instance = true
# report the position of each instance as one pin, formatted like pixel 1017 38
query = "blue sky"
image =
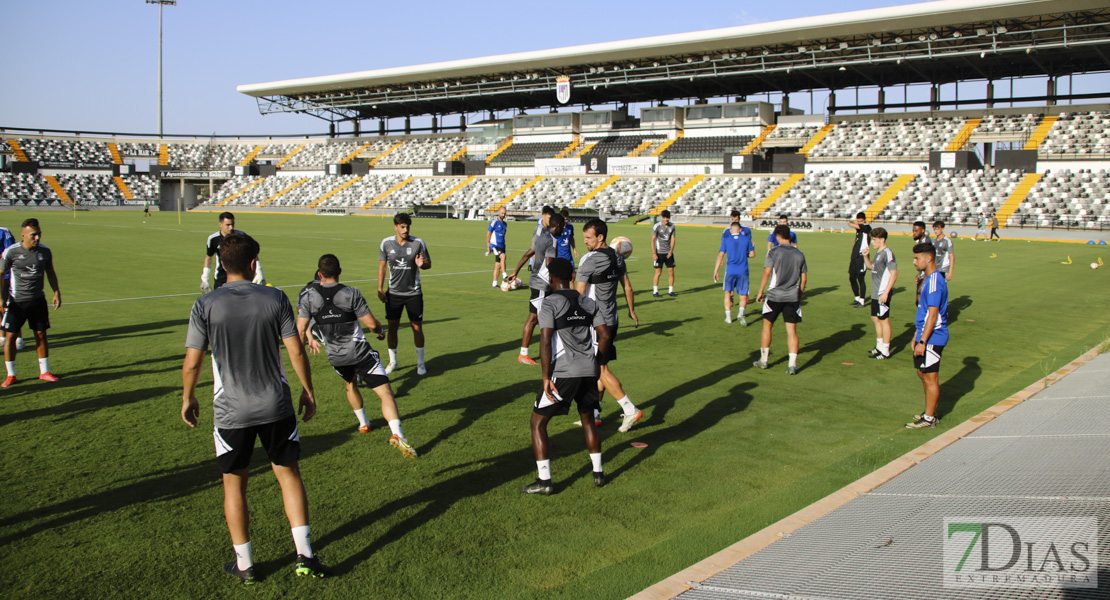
pixel 93 65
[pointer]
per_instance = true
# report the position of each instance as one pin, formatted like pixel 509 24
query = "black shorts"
pixel 498 252
pixel 665 261
pixel 791 311
pixel 414 305
pixel 879 310
pixel 582 390
pixel 280 439
pixel 857 266
pixel 535 298
pixel 370 372
pixel 33 312
pixel 930 362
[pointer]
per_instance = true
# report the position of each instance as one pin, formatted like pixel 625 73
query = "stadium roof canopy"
pixel 931 42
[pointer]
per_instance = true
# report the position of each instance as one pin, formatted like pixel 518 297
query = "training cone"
pixel 1066 262
pixel 994 255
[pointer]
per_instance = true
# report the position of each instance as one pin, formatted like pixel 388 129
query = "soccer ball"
pixel 622 245
pixel 506 285
pixel 1094 265
pixel 514 284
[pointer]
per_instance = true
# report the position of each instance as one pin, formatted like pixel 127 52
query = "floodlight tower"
pixel 160 4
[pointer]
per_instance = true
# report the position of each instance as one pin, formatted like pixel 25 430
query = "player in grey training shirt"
pixel 946 253
pixel 543 249
pixel 662 253
pixel 785 271
pixel 28 264
pixel 599 272
pixel 405 256
pixel 568 324
pixel 884 273
pixel 339 312
pixel 244 325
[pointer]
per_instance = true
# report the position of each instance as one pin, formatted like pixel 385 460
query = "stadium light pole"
pixel 160 4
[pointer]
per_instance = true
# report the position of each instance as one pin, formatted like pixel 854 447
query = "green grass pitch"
pixel 109 494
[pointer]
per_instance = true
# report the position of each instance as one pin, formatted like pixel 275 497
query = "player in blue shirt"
pixel 565 247
pixel 737 245
pixel 931 335
pixel 772 242
pixel 495 242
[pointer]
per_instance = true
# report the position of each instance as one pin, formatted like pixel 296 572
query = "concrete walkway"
pixel 1043 453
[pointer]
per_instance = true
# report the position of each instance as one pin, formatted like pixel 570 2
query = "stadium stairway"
pixel 20 155
pixel 351 156
pixel 386 153
pixel 454 188
pixel 586 148
pixel 963 136
pixel 1020 193
pixel 584 199
pixel 680 192
pixel 890 194
pixel 508 142
pixel 123 189
pixel 816 139
pixel 382 195
pixel 245 188
pixel 639 149
pixel 57 187
pixel 249 157
pixel 458 155
pixel 512 196
pixel 333 192
pixel 759 139
pixel 570 147
pixel 114 151
pixel 1039 134
pixel 282 162
pixel 667 144
pixel 285 190
pixel 778 193
pixel 164 155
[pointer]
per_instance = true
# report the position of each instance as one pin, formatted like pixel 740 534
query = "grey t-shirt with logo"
pixel 881 269
pixel 663 235
pixel 243 325
pixel 944 253
pixel 787 265
pixel 544 247
pixel 573 317
pixel 28 270
pixel 346 343
pixel 608 267
pixel 404 276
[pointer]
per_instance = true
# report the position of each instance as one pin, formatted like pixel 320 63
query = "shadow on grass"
pixel 83 406
pixel 473 408
pixel 826 345
pixel 959 385
pixel 815 292
pixel 663 402
pixel 956 306
pixel 62 339
pixel 448 363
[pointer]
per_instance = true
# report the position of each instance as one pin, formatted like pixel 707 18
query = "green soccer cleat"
pixel 403 445
pixel 311 567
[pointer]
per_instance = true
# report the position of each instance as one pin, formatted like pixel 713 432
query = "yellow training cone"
pixel 1066 262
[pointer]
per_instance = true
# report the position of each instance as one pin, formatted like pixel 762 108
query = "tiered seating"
pixel 90 187
pixel 207 156
pixel 789 137
pixel 524 154
pixel 228 188
pixel 142 187
pixel 615 145
pixel 307 192
pixel 703 149
pixel 1078 134
pixel 66 150
pixel 554 191
pixel 137 149
pixel 261 192
pixel 954 196
pixel 833 194
pixel 1067 199
pixel 484 192
pixel 718 196
pixel 890 139
pixel 423 190
pixel 421 152
pixel 23 186
pixel 636 195
pixel 361 192
pixel 1002 126
pixel 317 156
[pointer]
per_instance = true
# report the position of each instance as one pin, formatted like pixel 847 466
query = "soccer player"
pixel 994 227
pixel 566 248
pixel 920 236
pixel 542 224
pixel 495 243
pixel 543 250
pixel 931 334
pixel 568 323
pixel 244 325
pixel 227 227
pixel 981 225
pixel 336 311
pixel 733 217
pixel 28 263
pixel 884 272
pixel 857 270
pixel 773 242
pixel 662 252
pixel 946 252
pixel 739 248
pixel 404 255
pixel 6 240
pixel 785 268
pixel 599 272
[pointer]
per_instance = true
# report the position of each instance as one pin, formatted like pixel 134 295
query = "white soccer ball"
pixel 622 246
pixel 515 284
pixel 506 285
pixel 1094 265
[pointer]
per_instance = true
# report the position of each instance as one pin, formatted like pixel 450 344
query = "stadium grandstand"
pixel 672 122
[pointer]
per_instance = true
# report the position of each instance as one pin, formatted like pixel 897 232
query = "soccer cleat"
pixel 672 294
pixel 403 445
pixel 630 420
pixel 494 284
pixel 48 377
pixel 311 567
pixel 743 322
pixel 246 576
pixel 421 369
pixel 873 352
pixel 921 422
pixel 538 486
pixel 791 370
pixel 880 356
pixel 525 360
pixel 760 364
pixel 8 382
pixel 655 295
pixel 599 479
pixel 728 319
pixel 364 429
pixel 390 367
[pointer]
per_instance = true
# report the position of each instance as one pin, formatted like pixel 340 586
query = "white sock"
pixel 393 355
pixel 419 356
pixel 361 414
pixel 627 406
pixel 928 418
pixel 655 289
pixel 763 352
pixel 44 365
pixel 243 556
pixel 10 366
pixel 670 289
pixel 395 427
pixel 595 458
pixel 728 316
pixel 300 538
pixel 543 467
pixel 597 415
pixel 884 348
pixel 794 357
pixel 740 311
pixel 494 283
pixel 879 343
pixel 524 350
pixel 504 276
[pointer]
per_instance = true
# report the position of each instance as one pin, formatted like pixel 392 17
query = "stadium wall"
pixel 902 168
